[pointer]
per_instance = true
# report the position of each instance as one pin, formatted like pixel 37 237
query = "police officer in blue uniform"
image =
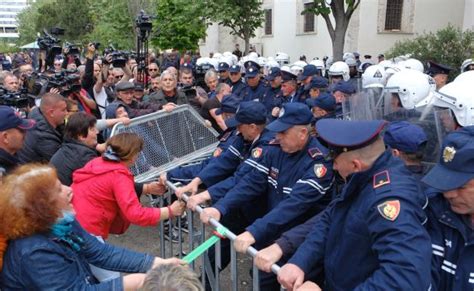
pixel 451 213
pixel 408 142
pixel 289 88
pixel 186 173
pixel 341 91
pixel 322 107
pixel 293 176
pixel 236 84
pixel 272 96
pixel 305 78
pixel 317 86
pixel 223 70
pixel 371 237
pixel 255 87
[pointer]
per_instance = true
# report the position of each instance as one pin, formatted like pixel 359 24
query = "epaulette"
pixel 225 136
pixel 274 142
pixel 381 179
pixel 314 152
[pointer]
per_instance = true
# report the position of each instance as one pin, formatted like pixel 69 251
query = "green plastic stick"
pixel 204 246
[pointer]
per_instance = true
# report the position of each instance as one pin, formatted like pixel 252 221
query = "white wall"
pixel 469 15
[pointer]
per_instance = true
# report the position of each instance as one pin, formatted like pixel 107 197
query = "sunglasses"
pixel 119 77
pixel 152 70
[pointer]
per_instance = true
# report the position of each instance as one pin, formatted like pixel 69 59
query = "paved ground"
pixel 147 239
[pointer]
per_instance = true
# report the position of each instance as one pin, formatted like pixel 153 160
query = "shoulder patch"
pixel 314 152
pixel 217 152
pixel 320 170
pixel 274 142
pixel 389 209
pixel 257 152
pixel 380 179
pixel 225 136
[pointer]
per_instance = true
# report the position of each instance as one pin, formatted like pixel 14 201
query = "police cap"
pixel 223 67
pixel 405 137
pixel 325 101
pixel 435 68
pixel 308 71
pixel 248 112
pixel 345 87
pixel 318 82
pixel 273 73
pixel 345 135
pixel 234 69
pixel 291 114
pixel 229 104
pixel 456 164
pixel 287 76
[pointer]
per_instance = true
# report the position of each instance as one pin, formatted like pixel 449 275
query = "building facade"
pixel 8 12
pixel 374 27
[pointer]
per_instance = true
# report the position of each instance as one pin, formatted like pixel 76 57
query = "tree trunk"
pixel 338 44
pixel 247 45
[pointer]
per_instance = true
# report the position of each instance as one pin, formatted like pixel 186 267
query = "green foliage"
pixel 243 17
pixel 112 24
pixel 449 46
pixel 179 24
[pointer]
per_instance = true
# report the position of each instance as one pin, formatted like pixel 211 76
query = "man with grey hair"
pixel 212 79
pixel 168 96
pixel 209 108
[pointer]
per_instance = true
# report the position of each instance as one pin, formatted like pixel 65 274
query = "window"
pixel 268 22
pixel 308 18
pixel 393 15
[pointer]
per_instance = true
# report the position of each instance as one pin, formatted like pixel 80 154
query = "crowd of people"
pixel 348 174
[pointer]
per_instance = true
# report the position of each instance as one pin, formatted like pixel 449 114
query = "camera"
pixel 19 100
pixel 143 22
pixel 72 49
pixel 119 59
pixel 50 44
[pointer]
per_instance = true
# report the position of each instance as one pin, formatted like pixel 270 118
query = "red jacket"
pixel 105 200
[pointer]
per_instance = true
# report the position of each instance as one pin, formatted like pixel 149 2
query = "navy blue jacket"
pixel 41 262
pixel 7 162
pixel 371 237
pixel 237 87
pixel 253 94
pixel 256 152
pixel 291 185
pixel 271 99
pixel 186 173
pixel 453 247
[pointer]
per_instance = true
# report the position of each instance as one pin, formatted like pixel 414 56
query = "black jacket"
pixel 71 156
pixel 7 162
pixel 41 142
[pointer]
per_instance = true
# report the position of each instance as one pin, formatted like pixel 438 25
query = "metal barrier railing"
pixel 171 138
pixel 196 236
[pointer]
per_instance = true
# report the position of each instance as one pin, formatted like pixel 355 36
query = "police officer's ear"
pixel 395 153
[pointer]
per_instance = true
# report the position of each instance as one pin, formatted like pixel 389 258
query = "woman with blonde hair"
pixel 105 199
pixel 47 248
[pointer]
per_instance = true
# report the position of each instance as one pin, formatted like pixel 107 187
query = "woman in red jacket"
pixel 104 195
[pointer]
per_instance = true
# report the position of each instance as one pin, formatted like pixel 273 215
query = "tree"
pixel 341 11
pixel 449 46
pixel 179 24
pixel 243 17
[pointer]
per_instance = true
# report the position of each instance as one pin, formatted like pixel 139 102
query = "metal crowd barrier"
pixel 171 139
pixel 196 236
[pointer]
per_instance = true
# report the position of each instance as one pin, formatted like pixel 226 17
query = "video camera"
pixel 119 58
pixel 50 44
pixel 66 81
pixel 20 100
pixel 72 49
pixel 144 22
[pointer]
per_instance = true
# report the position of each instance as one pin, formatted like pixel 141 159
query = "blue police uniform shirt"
pixel 271 99
pixel 371 237
pixel 293 184
pixel 237 87
pixel 452 240
pixel 186 173
pixel 253 93
pixel 226 81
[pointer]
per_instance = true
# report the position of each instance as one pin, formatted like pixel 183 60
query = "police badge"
pixel 320 170
pixel 448 154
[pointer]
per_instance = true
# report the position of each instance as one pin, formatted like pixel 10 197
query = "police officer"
pixel 289 88
pixel 255 87
pixel 407 141
pixel 305 78
pixel 451 213
pixel 223 70
pixel 439 73
pixel 317 86
pixel 237 84
pixel 293 175
pixel 342 90
pixel 186 173
pixel 272 96
pixel 371 236
pixel 323 107
pixel 12 134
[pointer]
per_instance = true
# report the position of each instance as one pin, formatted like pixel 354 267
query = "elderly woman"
pixel 168 96
pixel 47 248
pixel 105 200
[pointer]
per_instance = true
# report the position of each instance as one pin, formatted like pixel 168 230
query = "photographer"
pixel 10 82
